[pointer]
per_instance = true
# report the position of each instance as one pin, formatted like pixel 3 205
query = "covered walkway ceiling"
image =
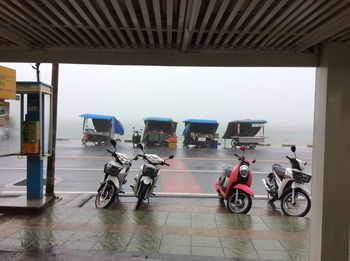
pixel 171 32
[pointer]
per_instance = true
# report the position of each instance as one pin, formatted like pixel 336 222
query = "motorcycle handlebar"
pixel 289 158
pixel 110 151
pixel 166 164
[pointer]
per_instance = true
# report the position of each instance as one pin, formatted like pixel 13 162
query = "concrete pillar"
pixel 51 161
pixel 331 156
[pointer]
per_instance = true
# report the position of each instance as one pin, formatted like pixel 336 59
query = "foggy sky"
pixel 278 95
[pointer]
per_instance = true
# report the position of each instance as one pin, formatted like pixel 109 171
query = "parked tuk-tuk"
pixel 201 133
pixel 246 132
pixel 99 129
pixel 159 132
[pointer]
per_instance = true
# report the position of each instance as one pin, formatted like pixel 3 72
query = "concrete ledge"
pixel 22 205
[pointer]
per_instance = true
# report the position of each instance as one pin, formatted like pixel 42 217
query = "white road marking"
pixel 163 170
pixel 180 158
pixel 131 194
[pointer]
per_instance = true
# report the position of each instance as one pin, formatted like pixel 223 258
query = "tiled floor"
pixel 158 231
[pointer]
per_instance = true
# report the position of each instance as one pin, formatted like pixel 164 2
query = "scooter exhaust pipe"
pixel 266 185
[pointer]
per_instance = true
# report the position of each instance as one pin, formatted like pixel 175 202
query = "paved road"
pixel 79 168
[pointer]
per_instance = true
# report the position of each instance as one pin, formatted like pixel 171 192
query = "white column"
pixel 331 156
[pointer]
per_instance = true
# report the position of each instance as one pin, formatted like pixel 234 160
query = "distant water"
pixel 275 134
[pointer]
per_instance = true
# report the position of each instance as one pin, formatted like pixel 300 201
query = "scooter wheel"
pixel 243 204
pixel 105 200
pixel 301 206
pixel 141 196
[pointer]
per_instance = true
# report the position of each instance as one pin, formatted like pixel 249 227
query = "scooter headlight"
pixel 244 171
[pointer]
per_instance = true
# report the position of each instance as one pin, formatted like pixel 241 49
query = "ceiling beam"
pixel 71 38
pixel 169 22
pixel 324 32
pixel 100 39
pixel 101 24
pixel 315 19
pixel 204 24
pixel 159 57
pixel 132 13
pixel 89 38
pixel 239 23
pixel 13 37
pixel 265 21
pixel 282 28
pixel 190 22
pixel 35 20
pixel 125 24
pixel 252 22
pixel 158 18
pixel 275 22
pixel 228 22
pixel 15 17
pixel 111 21
pixel 286 31
pixel 147 21
pixel 216 22
pixel 81 38
pixel 181 24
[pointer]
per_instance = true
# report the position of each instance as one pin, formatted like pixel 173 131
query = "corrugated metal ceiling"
pixel 181 25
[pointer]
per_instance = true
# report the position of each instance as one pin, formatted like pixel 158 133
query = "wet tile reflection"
pixel 159 231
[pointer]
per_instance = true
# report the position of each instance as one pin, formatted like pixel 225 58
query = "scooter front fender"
pixel 300 186
pixel 217 186
pixel 146 180
pixel 245 188
pixel 114 180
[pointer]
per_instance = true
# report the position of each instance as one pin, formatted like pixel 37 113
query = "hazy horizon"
pixel 282 96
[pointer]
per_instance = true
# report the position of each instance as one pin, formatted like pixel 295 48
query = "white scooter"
pixel 146 180
pixel 287 185
pixel 116 172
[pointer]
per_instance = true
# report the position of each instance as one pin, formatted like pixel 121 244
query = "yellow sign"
pixel 7 83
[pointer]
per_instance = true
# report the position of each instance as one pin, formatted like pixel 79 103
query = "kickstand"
pixel 271 203
pixel 148 201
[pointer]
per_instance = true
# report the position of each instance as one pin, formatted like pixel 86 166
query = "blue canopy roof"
pixel 200 121
pixel 249 121
pixel 33 83
pixel 118 127
pixel 158 119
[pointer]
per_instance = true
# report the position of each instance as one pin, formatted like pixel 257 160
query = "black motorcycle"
pixel 136 137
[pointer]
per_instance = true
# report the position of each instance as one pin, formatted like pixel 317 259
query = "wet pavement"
pixel 80 168
pixel 168 228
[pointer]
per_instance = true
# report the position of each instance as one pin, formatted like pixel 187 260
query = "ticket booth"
pixel 36 123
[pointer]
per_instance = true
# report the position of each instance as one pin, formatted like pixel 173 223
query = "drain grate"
pixel 23 183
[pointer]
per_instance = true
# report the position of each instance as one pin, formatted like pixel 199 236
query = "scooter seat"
pixel 279 170
pixel 228 170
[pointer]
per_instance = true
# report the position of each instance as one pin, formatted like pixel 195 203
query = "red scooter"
pixel 234 185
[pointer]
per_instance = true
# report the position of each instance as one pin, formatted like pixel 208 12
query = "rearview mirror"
pixel 140 146
pixel 293 148
pixel 114 143
pixel 171 156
